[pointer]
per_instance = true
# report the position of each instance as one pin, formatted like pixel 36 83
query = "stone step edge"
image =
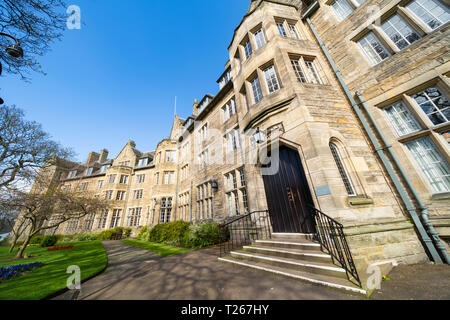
pixel 337 269
pixel 324 283
pixel 288 243
pixel 292 234
pixel 317 255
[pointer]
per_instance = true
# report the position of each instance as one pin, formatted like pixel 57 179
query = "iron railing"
pixel 244 230
pixel 330 235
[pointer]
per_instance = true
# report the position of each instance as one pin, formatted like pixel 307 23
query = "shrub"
pixel 85 237
pixel 127 232
pixel 49 241
pixel 105 235
pixel 171 232
pixel 36 240
pixel 203 235
pixel 142 232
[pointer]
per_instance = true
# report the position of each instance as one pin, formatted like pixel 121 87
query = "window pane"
pixel 271 79
pixel 432 12
pixel 435 105
pixel 342 9
pixel 343 172
pixel 248 49
pixel 400 32
pixel 281 29
pixel 259 38
pixel 294 31
pixel 401 119
pixel 298 70
pixel 313 74
pixel 374 49
pixel 432 164
pixel 256 87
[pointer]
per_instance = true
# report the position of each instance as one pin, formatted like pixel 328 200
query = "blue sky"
pixel 116 79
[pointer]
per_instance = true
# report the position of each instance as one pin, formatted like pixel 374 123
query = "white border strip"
pixel 289 262
pixel 289 243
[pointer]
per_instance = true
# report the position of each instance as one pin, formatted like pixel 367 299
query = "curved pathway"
pixel 137 274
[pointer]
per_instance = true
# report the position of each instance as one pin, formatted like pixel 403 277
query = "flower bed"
pixel 60 248
pixel 12 271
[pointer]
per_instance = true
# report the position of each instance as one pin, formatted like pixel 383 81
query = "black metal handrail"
pixel 330 235
pixel 244 230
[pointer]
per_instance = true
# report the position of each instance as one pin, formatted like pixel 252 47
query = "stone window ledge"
pixel 359 201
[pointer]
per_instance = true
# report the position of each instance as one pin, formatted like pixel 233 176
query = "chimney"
pixel 131 143
pixel 93 156
pixel 103 156
pixel 194 107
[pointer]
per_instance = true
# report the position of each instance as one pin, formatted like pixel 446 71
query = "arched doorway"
pixel 288 195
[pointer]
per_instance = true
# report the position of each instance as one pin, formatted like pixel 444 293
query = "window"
pixel 84 186
pixel 143 162
pixel 120 195
pixel 281 29
pixel 248 49
pixel 184 201
pixel 230 204
pixel 312 71
pixel 373 48
pixel 400 32
pixel 294 31
pixel 166 210
pixel 102 220
pixel 88 171
pixel 343 172
pixel 432 12
pixel 256 87
pixel 99 184
pixel 169 177
pixel 104 168
pixel 229 109
pixel 260 40
pixel 125 163
pixel 185 172
pixel 112 179
pixel 205 201
pixel 138 194
pixel 203 133
pixel 140 178
pixel 123 179
pixel 242 177
pixel 311 75
pixel 342 9
pixel 157 178
pixel 72 225
pixel 298 70
pixel 134 217
pixel 271 79
pixel 401 119
pixel 233 191
pixel 203 159
pixel 108 195
pixel 170 156
pixel 72 174
pixel 432 164
pixel 115 220
pixel 435 105
pixel 89 222
pixel 233 140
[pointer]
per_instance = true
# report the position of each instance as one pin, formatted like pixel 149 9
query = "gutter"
pixel 430 246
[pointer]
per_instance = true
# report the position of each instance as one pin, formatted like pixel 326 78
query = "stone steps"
pixel 295 256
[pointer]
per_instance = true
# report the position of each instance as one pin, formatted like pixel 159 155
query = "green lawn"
pixel 161 249
pixel 52 277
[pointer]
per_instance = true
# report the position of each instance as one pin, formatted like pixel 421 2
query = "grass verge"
pixel 52 277
pixel 161 249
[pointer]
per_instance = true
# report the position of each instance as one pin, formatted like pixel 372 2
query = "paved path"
pixel 137 274
pixel 416 282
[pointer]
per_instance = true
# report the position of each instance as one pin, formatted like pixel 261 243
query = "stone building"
pixel 351 98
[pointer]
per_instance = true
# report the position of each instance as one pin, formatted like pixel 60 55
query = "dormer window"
pixel 143 162
pixel 88 171
pixel 104 168
pixel 72 174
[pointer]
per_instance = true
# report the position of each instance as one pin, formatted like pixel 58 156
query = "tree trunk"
pixel 13 244
pixel 23 247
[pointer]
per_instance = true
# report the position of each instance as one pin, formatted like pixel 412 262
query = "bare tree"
pixel 24 147
pixel 49 206
pixel 36 24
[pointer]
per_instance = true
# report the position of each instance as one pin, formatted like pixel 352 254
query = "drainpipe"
pixel 423 209
pixel 408 204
